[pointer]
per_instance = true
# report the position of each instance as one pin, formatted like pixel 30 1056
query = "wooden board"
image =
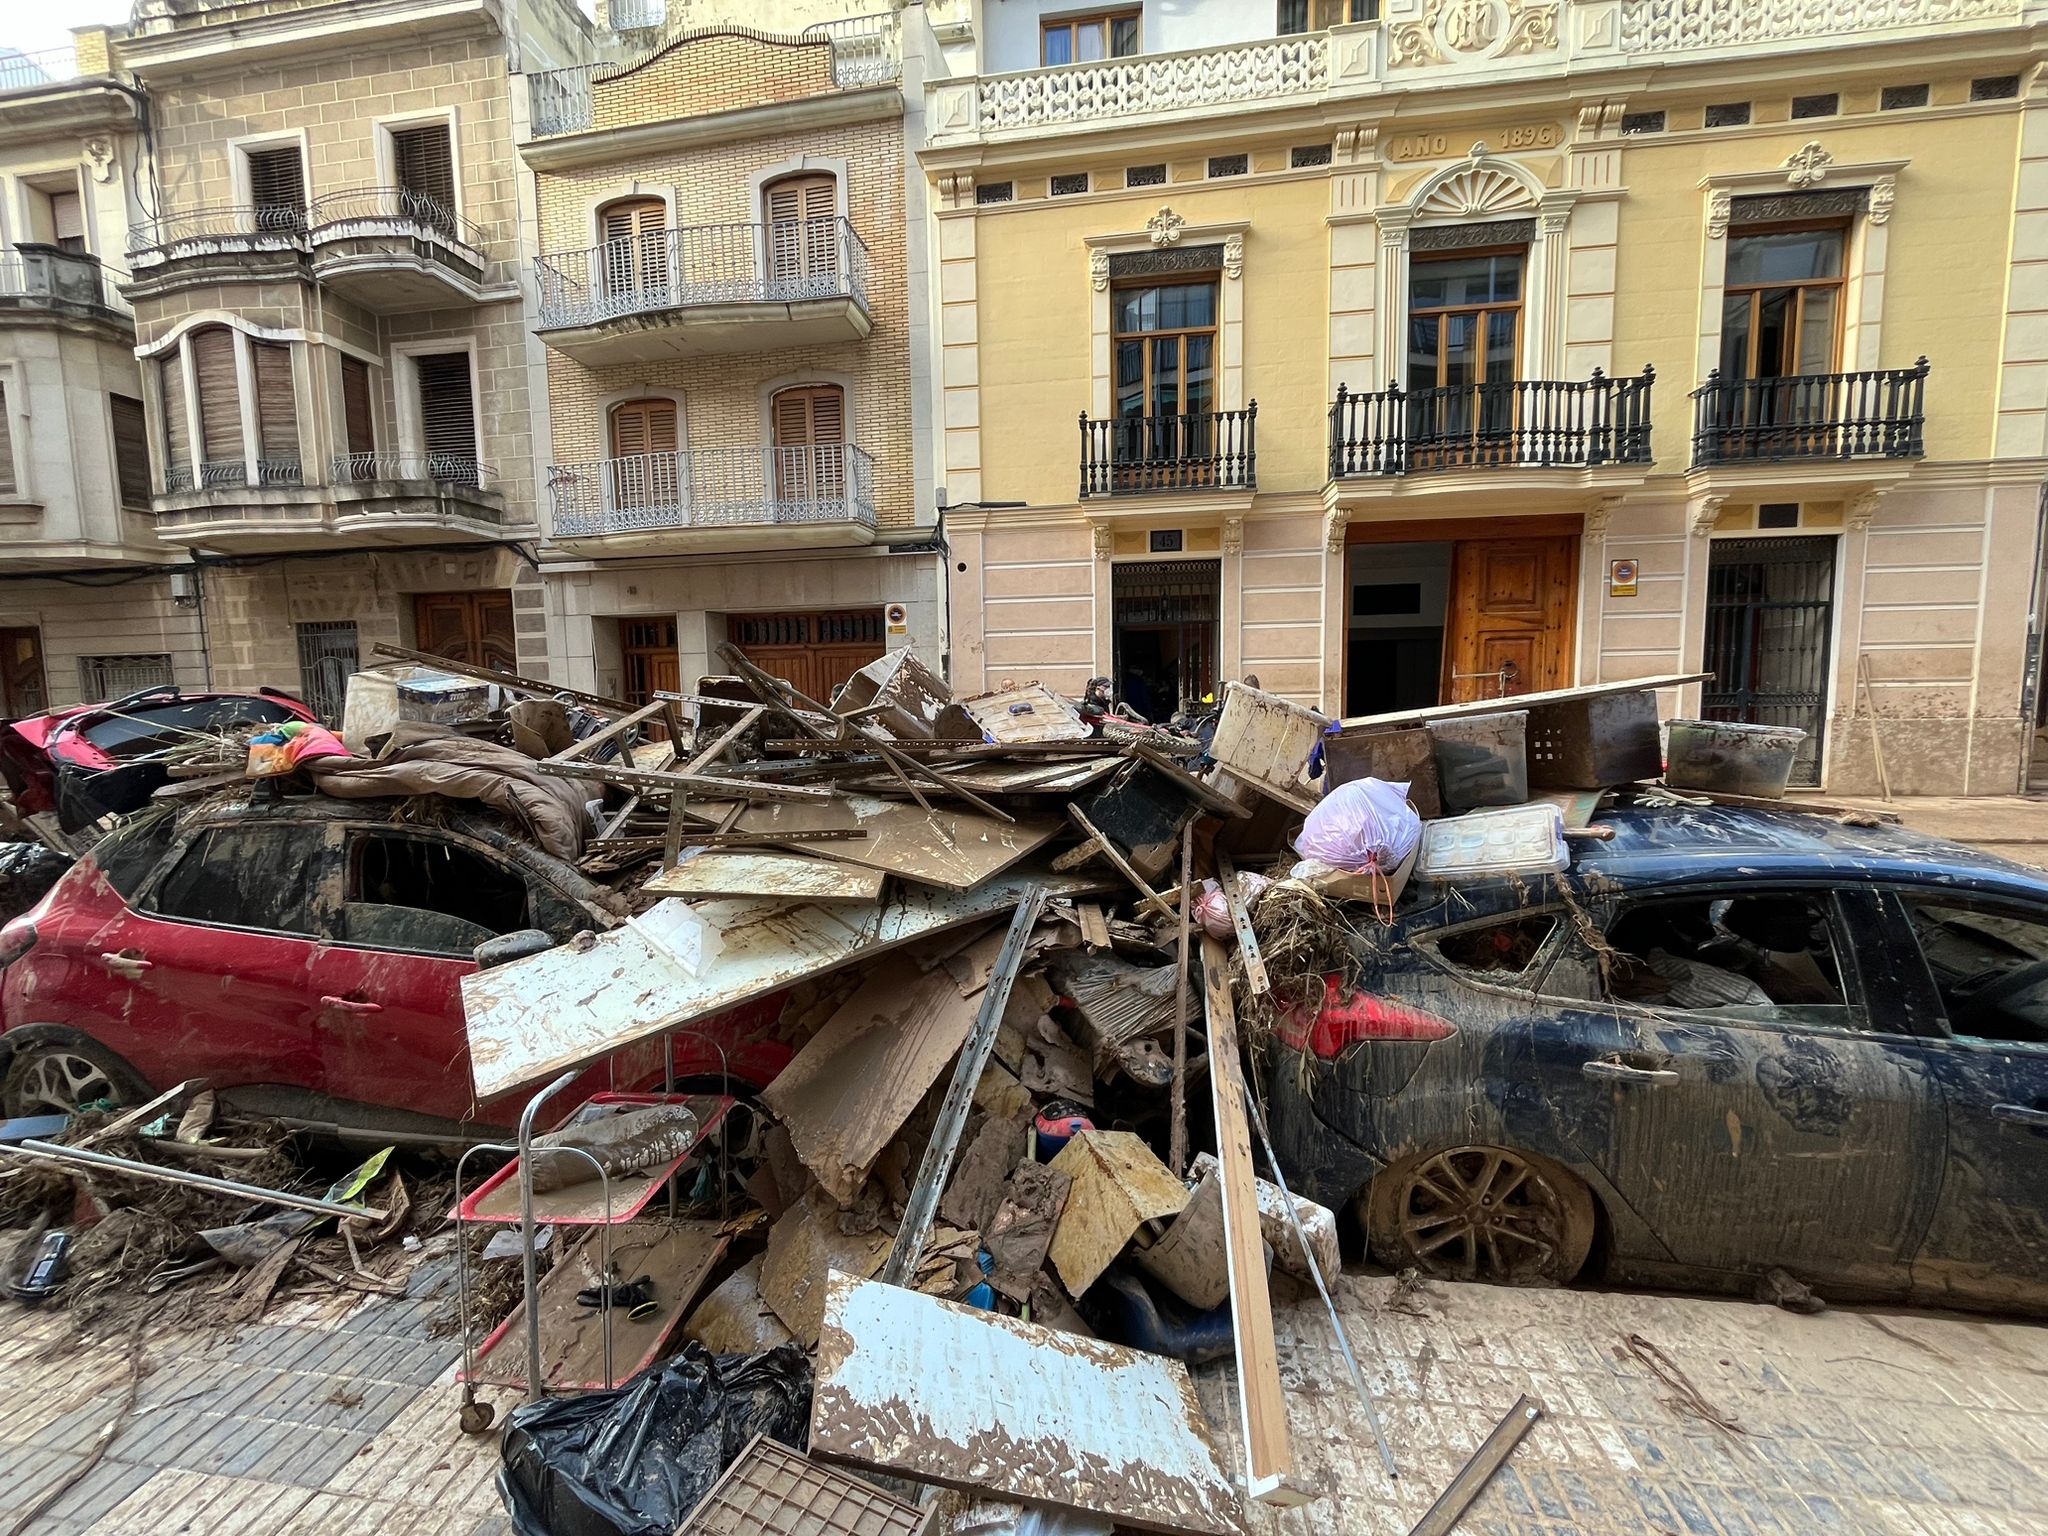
pixel 846 1094
pixel 529 1020
pixel 776 876
pixel 957 849
pixel 1269 1459
pixel 1525 700
pixel 1118 1186
pixel 951 1394
pixel 1032 713
pixel 804 1247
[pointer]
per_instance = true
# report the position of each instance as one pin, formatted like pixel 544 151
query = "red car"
pixel 305 957
pixel 82 762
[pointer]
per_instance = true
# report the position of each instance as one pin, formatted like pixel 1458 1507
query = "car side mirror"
pixel 516 945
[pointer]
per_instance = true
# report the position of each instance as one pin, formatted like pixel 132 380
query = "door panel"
pixel 816 652
pixel 1511 605
pixel 470 627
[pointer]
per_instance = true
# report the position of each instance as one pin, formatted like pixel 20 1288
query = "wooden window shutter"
pixel 131 450
pixel 643 426
pixel 177 430
pixel 220 401
pixel 810 426
pixel 67 220
pixel 425 162
pixel 277 402
pixel 639 216
pixel 277 187
pixel 447 416
pixel 8 483
pixel 357 423
pixel 802 235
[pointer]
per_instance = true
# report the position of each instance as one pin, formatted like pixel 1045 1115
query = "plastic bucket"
pixel 1482 760
pixel 1728 758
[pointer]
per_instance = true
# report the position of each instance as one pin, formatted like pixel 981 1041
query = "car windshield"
pixel 149 727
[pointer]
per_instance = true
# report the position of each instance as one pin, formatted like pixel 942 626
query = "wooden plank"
pixel 1204 795
pixel 1177 1119
pixel 141 1114
pixel 945 847
pixel 846 1094
pixel 667 782
pixel 1094 926
pixel 1241 920
pixel 1032 713
pixel 1115 855
pixel 1523 700
pixel 1269 1459
pixel 530 1020
pixel 950 1394
pixel 719 840
pixel 945 1138
pixel 776 876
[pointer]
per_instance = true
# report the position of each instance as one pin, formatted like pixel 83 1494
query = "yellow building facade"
pixel 1482 348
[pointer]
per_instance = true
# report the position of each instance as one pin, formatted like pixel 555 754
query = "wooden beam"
pixel 1241 920
pixel 141 1114
pixel 1521 701
pixel 1269 1458
pixel 1115 855
pixel 1094 926
pixel 664 782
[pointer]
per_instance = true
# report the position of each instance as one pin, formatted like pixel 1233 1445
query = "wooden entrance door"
pixel 815 652
pixel 22 691
pixel 652 665
pixel 1511 615
pixel 470 627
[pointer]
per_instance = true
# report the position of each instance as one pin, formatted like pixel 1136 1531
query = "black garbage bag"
pixel 634 1461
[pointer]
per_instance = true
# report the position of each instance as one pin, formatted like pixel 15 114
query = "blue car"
pixel 1726 1042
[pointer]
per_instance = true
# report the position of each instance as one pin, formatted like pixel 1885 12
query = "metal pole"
pixel 43 1151
pixel 529 1259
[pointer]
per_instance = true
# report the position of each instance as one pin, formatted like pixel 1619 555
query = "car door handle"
pixel 1621 1072
pixel 127 966
pixel 2019 1114
pixel 350 1005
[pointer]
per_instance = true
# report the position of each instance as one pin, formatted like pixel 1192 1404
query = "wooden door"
pixel 22 691
pixel 810 443
pixel 802 231
pixel 645 471
pixel 652 665
pixel 631 260
pixel 815 652
pixel 1511 614
pixel 470 627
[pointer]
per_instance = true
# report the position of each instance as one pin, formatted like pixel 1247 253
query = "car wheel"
pixel 58 1078
pixel 1480 1213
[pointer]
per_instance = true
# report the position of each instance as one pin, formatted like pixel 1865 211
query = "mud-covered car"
pixel 1726 1042
pixel 305 957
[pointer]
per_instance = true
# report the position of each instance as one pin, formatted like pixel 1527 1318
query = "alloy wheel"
pixel 1483 1213
pixel 57 1083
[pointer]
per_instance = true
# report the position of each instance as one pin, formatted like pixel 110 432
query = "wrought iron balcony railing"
pixel 714 488
pixel 1877 413
pixel 1190 450
pixel 214 474
pixel 443 468
pixel 266 226
pixel 26 71
pixel 380 210
pixel 1513 423
pixel 780 262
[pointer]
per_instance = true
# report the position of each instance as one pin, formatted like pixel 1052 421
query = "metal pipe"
pixel 46 1152
pixel 529 1259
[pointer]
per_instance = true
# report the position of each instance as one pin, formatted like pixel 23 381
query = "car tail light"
pixel 1345 1018
pixel 17 938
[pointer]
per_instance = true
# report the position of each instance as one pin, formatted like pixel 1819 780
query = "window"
pixel 131 450
pixel 1995 88
pixel 67 222
pixel 1306 156
pixel 1990 967
pixel 423 159
pixel 1293 17
pixel 634 259
pixel 357 418
pixel 1068 185
pixel 154 725
pixel 1896 98
pixel 995 192
pixel 1464 319
pixel 1145 176
pixel 810 443
pixel 447 416
pixel 1080 39
pixel 1229 165
pixel 1767 956
pixel 1642 122
pixel 1727 114
pixel 1164 340
pixel 221 451
pixel 128 853
pixel 645 471
pixel 170 373
pixel 329 655
pixel 1782 308
pixel 260 876
pixel 803 239
pixel 426 896
pixel 1778 514
pixel 9 484
pixel 1499 950
pixel 1816 106
pixel 277 188
pixel 277 413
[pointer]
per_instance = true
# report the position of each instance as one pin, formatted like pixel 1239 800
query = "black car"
pixel 1726 1041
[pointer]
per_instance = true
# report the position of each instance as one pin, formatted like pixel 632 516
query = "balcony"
pixel 369 501
pixel 717 499
pixel 1876 414
pixel 1515 424
pixel 256 244
pixel 394 250
pixel 44 285
pixel 28 71
pixel 1153 455
pixel 707 289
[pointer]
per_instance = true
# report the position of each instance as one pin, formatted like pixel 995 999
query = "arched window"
pixel 632 245
pixel 809 422
pixel 645 467
pixel 803 232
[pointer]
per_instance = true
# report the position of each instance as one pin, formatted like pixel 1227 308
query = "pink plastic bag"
pixel 1366 826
